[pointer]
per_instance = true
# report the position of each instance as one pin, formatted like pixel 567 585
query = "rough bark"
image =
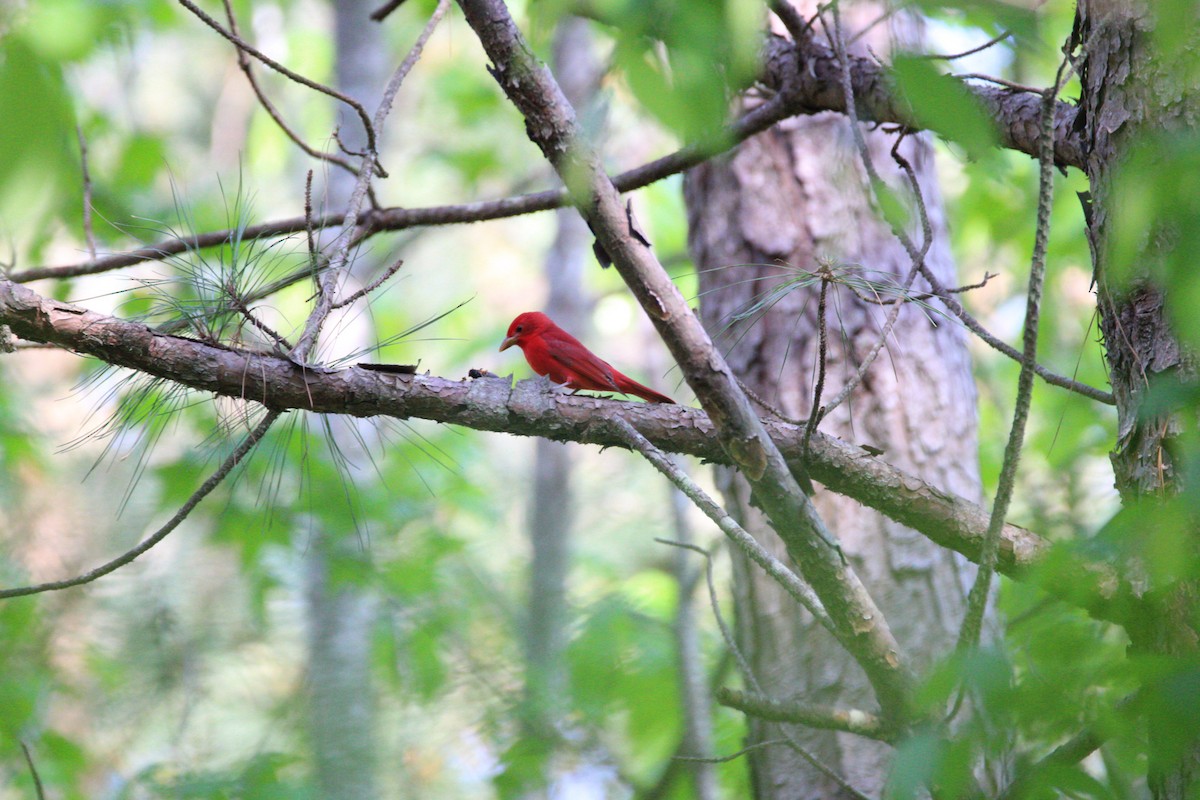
pixel 1131 93
pixel 810 75
pixel 796 195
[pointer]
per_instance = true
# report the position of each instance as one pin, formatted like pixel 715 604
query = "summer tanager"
pixel 553 352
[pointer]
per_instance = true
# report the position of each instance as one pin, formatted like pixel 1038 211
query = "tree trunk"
pixel 784 202
pixel 1130 93
pixel 551 502
pixel 694 693
pixel 341 616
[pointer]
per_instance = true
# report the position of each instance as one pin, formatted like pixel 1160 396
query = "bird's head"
pixel 523 326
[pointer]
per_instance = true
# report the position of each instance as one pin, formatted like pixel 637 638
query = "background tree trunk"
pixel 794 196
pixel 341 616
pixel 550 513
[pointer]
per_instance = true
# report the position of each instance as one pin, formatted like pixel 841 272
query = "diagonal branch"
pixel 396 219
pixel 550 123
pixel 39 790
pixel 245 47
pixel 750 546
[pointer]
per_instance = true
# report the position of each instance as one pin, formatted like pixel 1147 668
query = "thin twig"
pixel 1050 377
pixel 759 400
pixel 816 412
pixel 309 226
pixel 242 307
pixel 243 45
pixel 916 255
pixel 206 488
pixel 972 625
pixel 246 68
pixel 979 49
pixel 779 572
pixel 328 279
pixel 726 633
pixel 851 720
pixel 747 672
pixel 732 756
pixel 884 17
pixel 1016 87
pixel 37 779
pixel 694 695
pixel 345 148
pixel 89 231
pixel 370 287
pixel 923 296
pixel 381 13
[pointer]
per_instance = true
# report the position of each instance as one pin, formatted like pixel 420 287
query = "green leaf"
pixel 37 135
pixel 944 105
pixel 914 766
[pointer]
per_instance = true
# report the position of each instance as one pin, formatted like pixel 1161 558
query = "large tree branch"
pixel 809 77
pixel 528 410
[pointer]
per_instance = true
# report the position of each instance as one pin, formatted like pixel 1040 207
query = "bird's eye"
pixel 519 328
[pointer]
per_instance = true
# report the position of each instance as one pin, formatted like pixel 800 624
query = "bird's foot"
pixel 555 388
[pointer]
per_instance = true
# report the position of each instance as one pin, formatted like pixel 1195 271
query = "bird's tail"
pixel 630 386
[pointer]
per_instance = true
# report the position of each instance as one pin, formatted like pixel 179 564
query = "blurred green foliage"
pixel 181 676
pixel 944 105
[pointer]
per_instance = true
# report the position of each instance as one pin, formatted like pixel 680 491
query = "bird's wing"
pixel 588 370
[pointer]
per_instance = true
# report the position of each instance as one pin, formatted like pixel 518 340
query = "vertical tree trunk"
pixel 551 503
pixel 551 510
pixel 794 196
pixel 694 697
pixel 1130 92
pixel 340 617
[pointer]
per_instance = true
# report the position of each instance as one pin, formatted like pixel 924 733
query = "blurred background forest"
pixel 190 672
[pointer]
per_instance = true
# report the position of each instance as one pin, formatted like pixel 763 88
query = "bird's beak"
pixel 507 343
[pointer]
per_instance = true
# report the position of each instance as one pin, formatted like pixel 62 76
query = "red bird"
pixel 553 352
